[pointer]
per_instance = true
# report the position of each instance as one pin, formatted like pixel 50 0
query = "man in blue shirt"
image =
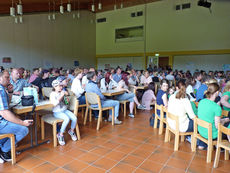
pixel 201 90
pixel 117 75
pixel 9 123
pixel 92 87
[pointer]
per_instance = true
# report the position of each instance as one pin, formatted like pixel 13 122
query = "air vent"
pixel 133 14
pixel 140 13
pixel 186 6
pixel 177 7
pixel 101 20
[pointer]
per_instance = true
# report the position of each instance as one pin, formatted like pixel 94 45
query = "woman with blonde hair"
pixel 225 100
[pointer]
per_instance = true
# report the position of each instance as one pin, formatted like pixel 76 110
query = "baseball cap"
pixel 55 83
pixel 45 71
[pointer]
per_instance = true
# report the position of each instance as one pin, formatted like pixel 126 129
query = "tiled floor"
pixel 131 147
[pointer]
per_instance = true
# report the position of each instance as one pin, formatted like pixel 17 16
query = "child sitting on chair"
pixel 57 98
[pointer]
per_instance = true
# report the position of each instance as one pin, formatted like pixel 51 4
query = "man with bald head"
pixel 9 123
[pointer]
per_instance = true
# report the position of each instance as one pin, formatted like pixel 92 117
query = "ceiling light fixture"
pixel 115 5
pixel 19 8
pixel 93 7
pixel 53 15
pixel 49 16
pixel 78 9
pixel 122 5
pixel 12 9
pixel 61 8
pixel 69 6
pixel 99 5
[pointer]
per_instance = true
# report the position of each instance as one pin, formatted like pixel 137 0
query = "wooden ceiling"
pixel 35 6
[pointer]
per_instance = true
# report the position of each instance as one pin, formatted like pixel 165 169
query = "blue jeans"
pixel 81 100
pixel 18 130
pixel 110 103
pixel 190 126
pixel 126 96
pixel 66 115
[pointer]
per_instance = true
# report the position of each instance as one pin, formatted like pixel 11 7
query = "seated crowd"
pixel 175 90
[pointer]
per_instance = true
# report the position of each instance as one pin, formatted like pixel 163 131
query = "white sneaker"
pixel 72 134
pixel 131 115
pixel 61 140
pixel 1 160
pixel 117 122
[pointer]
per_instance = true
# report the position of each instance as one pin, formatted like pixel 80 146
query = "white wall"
pixel 39 42
pixel 136 62
pixel 167 29
pixel 201 62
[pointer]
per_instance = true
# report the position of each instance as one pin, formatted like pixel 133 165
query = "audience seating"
pixel 208 141
pixel 124 102
pixel 46 91
pixel 12 141
pixel 94 99
pixel 176 131
pixel 225 113
pixel 161 118
pixel 50 119
pixel 222 144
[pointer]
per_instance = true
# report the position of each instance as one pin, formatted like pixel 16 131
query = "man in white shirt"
pixel 146 79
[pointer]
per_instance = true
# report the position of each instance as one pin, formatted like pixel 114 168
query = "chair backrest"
pixel 160 108
pixel 46 91
pixel 70 92
pixel 175 118
pixel 222 129
pixel 72 102
pixel 203 124
pixel 196 103
pixel 225 113
pixel 92 99
pixel 157 86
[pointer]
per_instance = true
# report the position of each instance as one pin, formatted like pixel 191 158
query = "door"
pixel 164 62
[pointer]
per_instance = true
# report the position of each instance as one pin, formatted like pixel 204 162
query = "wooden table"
pixel 19 109
pixel 110 93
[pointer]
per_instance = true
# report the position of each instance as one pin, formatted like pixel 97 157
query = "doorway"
pixel 163 62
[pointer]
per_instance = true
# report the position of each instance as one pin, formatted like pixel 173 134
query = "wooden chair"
pixel 196 103
pixel 74 105
pixel 225 113
pixel 208 141
pixel 12 141
pixel 46 91
pixel 50 119
pixel 93 99
pixel 176 132
pixel 222 144
pixel 124 102
pixel 161 118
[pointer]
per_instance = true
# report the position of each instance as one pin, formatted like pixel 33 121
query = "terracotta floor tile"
pixel 92 169
pixel 100 150
pixel 8 167
pixel 30 162
pixel 60 160
pixel 132 160
pixel 148 147
pixel 110 145
pixel 167 169
pixel 200 160
pixel 87 146
pixel 218 171
pixel 125 149
pixel 151 166
pixel 159 158
pixel 75 166
pixel 75 153
pixel 178 163
pixel 141 153
pixel 115 155
pixel 121 167
pixel 224 166
pixel 45 167
pixel 183 155
pixel 89 157
pixel 61 170
pixel 196 168
pixel 139 170
pixel 105 163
